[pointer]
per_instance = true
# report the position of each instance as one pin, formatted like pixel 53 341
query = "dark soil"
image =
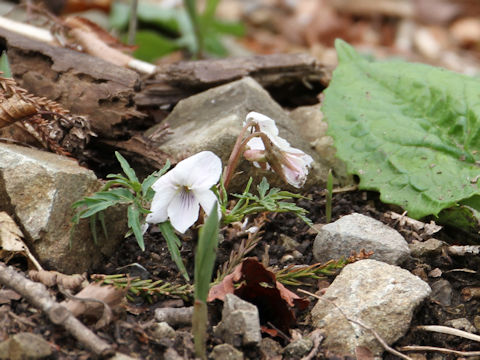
pixel 131 329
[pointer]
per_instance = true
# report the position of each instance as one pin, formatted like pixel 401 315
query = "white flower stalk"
pixel 288 162
pixel 180 193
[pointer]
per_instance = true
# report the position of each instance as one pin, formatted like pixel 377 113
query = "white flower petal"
pixel 183 210
pixel 162 198
pixel 207 199
pixel 256 143
pixel 199 171
pixel 296 168
pixel 166 180
pixel 266 124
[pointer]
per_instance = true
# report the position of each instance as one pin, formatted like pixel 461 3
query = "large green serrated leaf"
pixel 409 131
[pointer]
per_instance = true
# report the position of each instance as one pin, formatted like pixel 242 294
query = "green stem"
pixel 328 204
pixel 191 7
pixel 132 26
pixel 199 329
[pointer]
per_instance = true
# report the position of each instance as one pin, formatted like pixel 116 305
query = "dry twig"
pixel 39 297
pixel 438 349
pixel 449 331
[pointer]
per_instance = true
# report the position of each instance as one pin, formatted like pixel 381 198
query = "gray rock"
pixel 25 346
pixel 120 356
pixel 226 352
pixel 270 349
pixel 426 248
pixel 38 189
pixel 171 354
pixel 240 323
pixel 356 232
pixel 297 349
pixel 162 330
pixel 213 119
pixel 381 296
pixel 310 124
pixel 461 324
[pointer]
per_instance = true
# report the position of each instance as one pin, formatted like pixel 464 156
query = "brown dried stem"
pixel 39 297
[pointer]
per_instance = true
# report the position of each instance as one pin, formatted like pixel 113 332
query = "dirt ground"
pixel 131 328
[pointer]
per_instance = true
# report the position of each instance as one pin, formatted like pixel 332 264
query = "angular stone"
pixel 225 352
pixel 25 346
pixel 162 330
pixel 240 323
pixel 38 188
pixel 380 296
pixel 428 247
pixel 442 292
pixel 120 356
pixel 213 119
pixel 311 125
pixel 297 349
pixel 355 232
pixel 270 349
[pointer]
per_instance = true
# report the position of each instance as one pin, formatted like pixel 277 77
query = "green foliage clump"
pixel 171 29
pixel 121 190
pixel 267 200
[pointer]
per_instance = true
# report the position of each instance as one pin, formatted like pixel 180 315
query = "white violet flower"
pixel 290 163
pixel 180 193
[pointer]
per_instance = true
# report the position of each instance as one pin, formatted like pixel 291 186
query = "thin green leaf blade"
pixel 133 216
pixel 409 131
pixel 206 254
pixel 5 65
pixel 173 244
pixel 126 168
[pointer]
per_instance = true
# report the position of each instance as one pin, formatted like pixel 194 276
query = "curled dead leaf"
pixel 252 282
pixel 11 242
pixel 96 301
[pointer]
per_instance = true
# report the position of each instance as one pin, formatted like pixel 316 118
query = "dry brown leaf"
pixel 96 301
pixel 259 286
pixel 11 242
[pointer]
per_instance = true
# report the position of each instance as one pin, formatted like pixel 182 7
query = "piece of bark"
pixel 176 81
pixel 37 295
pixel 84 84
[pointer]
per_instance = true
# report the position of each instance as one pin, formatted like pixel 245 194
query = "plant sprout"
pixel 173 200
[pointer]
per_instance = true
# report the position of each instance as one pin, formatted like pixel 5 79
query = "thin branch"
pixel 438 349
pixel 39 297
pixel 449 331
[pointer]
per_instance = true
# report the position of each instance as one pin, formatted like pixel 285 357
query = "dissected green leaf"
pixel 147 192
pixel 263 187
pixel 409 131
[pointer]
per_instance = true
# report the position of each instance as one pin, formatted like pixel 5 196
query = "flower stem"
pixel 236 153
